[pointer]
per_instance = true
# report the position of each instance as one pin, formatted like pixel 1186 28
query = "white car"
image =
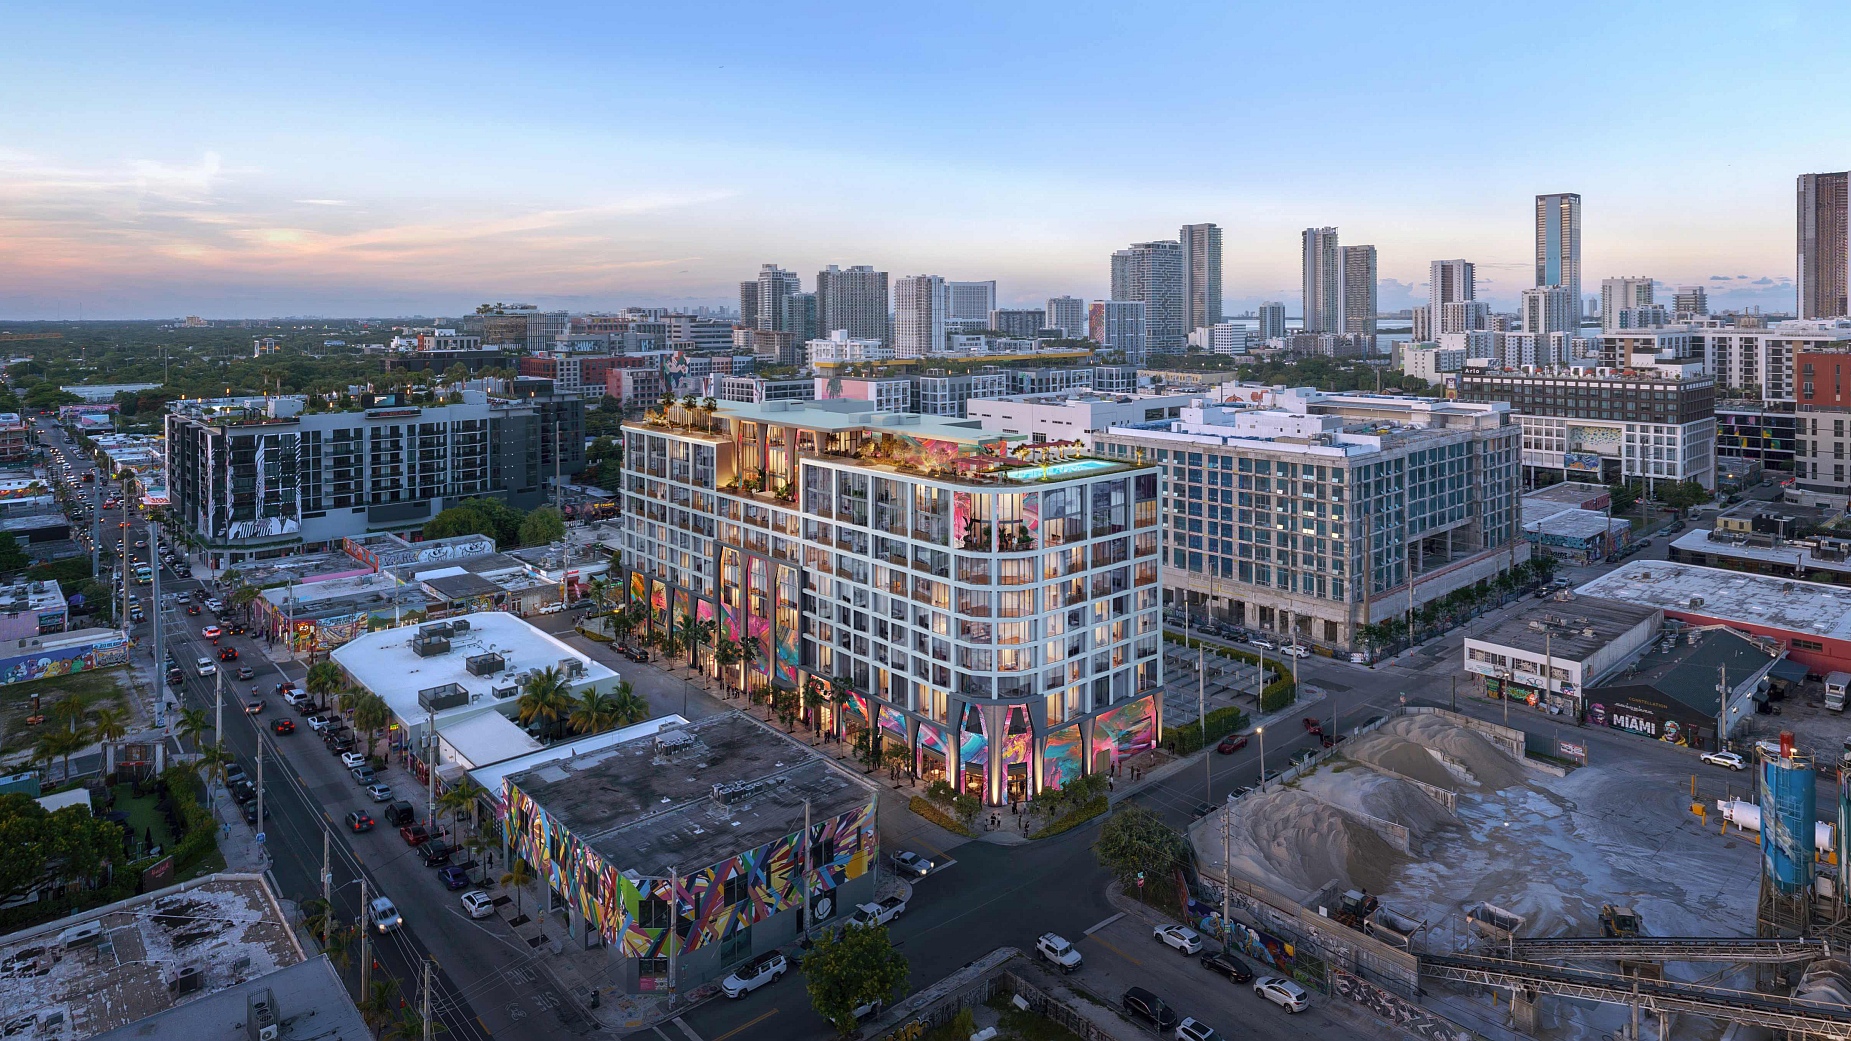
pixel 1282 992
pixel 1727 759
pixel 754 974
pixel 478 905
pixel 205 667
pixel 553 608
pixel 1195 1030
pixel 1262 643
pixel 1296 650
pixel 1181 937
pixel 352 759
pixel 214 604
pixel 319 723
pixel 384 915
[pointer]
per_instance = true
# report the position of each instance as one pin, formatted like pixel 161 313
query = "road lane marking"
pixel 1103 924
pixel 748 1023
pixel 1115 950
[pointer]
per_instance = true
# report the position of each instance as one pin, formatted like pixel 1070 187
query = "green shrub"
pixel 1080 815
pixel 938 817
pixel 198 831
pixel 1187 738
pixel 1278 694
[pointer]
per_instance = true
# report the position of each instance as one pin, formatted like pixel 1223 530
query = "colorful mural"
pixel 856 707
pixel 610 903
pixel 639 588
pixel 1018 737
pixel 931 739
pixel 683 607
pixel 703 610
pixel 64 661
pixel 1126 730
pixel 758 615
pixel 658 603
pixel 960 517
pixel 1061 760
pixel 787 658
pixel 973 746
pixel 893 721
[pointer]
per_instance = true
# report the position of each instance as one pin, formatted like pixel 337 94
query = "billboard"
pixel 1581 462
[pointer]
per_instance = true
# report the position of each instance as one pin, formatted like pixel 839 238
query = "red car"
pixel 1231 744
pixel 192 609
pixel 228 654
pixel 1313 723
pixel 284 726
pixel 414 834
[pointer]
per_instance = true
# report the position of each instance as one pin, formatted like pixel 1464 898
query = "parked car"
pixel 413 834
pixel 1283 993
pixel 1296 650
pixel 1181 937
pixel 436 853
pixel 907 862
pixel 234 773
pixel 1061 954
pixel 250 813
pixel 478 904
pixel 1262 643
pixel 352 759
pixel 379 792
pixel 453 877
pixel 1227 965
pixel 214 604
pixel 364 774
pixel 1729 760
pixel 1191 1029
pixel 1231 744
pixel 400 813
pixel 243 791
pixel 1139 1003
pixel 359 820
pixel 754 974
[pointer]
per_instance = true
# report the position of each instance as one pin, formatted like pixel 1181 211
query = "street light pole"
pixel 1261 731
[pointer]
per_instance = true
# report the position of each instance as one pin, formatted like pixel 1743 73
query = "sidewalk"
pixel 1311 695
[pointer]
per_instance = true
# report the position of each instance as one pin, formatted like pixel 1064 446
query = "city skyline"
pixel 162 185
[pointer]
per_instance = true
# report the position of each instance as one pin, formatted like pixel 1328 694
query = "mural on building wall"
pixel 1018 737
pixel 960 517
pixel 1413 1018
pixel 931 739
pixel 658 602
pixel 684 607
pixel 787 624
pixel 1061 760
pixel 758 616
pixel 973 745
pixel 1127 730
pixel 856 709
pixel 893 721
pixel 339 630
pixel 609 902
pixel 703 610
pixel 64 661
pixel 639 589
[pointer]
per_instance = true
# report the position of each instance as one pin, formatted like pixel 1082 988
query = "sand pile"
pixel 1295 843
pixel 1362 790
pixel 1402 744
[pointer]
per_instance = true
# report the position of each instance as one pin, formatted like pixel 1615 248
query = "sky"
pixel 239 160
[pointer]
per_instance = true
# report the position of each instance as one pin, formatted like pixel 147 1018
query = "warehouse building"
pixel 1811 620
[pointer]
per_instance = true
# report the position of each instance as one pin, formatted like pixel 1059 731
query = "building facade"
pixel 1822 279
pixel 1322 282
pixel 1068 314
pixel 970 302
pixel 1023 322
pixel 1558 245
pixel 1358 288
pixel 1765 433
pixel 1549 309
pixel 1623 294
pixel 990 606
pixel 921 309
pixel 1122 327
pixel 1271 319
pixel 1201 245
pixel 1152 272
pixel 1306 516
pixel 1449 282
pixel 774 311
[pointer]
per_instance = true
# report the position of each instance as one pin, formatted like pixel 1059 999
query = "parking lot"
pixel 1123 954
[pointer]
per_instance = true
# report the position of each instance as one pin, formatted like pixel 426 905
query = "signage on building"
pixel 1571 750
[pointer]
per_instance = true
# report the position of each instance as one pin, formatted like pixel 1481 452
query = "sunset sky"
pixel 255 160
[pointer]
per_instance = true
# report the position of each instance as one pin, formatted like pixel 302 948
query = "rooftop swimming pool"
pixel 1072 469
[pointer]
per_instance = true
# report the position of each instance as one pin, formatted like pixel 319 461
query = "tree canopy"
pixel 1136 840
pixel 478 517
pixel 542 526
pixel 44 848
pixel 849 968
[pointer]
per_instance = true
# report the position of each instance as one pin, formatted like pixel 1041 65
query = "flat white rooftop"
pixel 1813 608
pixel 384 663
pixel 484 738
pixel 490 776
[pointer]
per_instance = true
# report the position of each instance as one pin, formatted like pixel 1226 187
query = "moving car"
pixel 1282 992
pixel 283 726
pixel 1227 965
pixel 211 632
pixel 384 915
pixel 478 904
pixel 192 609
pixel 1262 643
pixel 1231 744
pixel 754 974
pixel 359 820
pixel 205 667
pixel 1139 1003
pixel 228 654
pixel 1296 650
pixel 1195 1030
pixel 1725 759
pixel 253 706
pixel 214 604
pixel 907 862
pixel 379 792
pixel 1181 937
pixel 245 672
pixel 453 877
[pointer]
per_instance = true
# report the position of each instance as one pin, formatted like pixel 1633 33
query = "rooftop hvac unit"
pixel 673 740
pixel 261 1024
pixel 443 629
pixel 731 792
pixel 572 666
pixel 186 981
pixel 485 664
pixel 1696 601
pixel 459 625
pixel 503 693
pixel 447 696
pixel 427 646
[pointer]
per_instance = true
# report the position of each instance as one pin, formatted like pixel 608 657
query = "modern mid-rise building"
pixel 1307 515
pixel 1431 362
pixel 1449 282
pixel 775 312
pixel 1152 272
pixel 1458 316
pixel 1068 314
pixel 854 300
pixel 1652 423
pixel 1271 316
pixel 1201 245
pixel 1073 415
pixel 921 309
pixel 1323 281
pixel 1618 295
pixel 1024 322
pixel 1765 432
pixel 838 348
pixel 1690 303
pixel 1549 309
pixel 1822 281
pixel 262 478
pixel 940 394
pixel 988 605
pixel 755 389
pixel 748 304
pixel 970 302
pixel 1358 289
pixel 1122 327
pixel 1558 247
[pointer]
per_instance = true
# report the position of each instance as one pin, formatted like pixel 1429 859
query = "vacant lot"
pixel 98 689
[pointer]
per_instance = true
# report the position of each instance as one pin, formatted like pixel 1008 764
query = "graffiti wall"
pixel 973 743
pixel 1127 730
pixel 64 661
pixel 684 607
pixel 1018 737
pixel 1061 760
pixel 614 905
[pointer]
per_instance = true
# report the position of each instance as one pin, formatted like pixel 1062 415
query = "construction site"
pixel 1426 859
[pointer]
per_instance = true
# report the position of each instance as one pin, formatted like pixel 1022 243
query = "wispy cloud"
pixel 321 202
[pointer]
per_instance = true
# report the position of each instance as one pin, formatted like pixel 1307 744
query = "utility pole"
pixel 327 893
pixel 1548 675
pixel 1227 866
pixel 425 1015
pixel 809 865
pixel 154 606
pixel 1722 705
pixel 260 784
pixel 430 771
pixel 1201 710
pixel 674 919
pixel 366 939
pixel 218 710
pixel 123 526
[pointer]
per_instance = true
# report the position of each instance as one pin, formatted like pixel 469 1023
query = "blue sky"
pixel 235 160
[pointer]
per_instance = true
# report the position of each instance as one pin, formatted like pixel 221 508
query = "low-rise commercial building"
pixel 1549 653
pixel 695 848
pixel 1674 692
pixel 1811 620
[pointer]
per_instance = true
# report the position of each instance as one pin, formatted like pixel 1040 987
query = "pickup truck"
pixel 879 914
pixel 1056 949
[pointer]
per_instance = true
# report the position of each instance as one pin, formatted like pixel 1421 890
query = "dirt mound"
pixel 1406 745
pixel 1294 842
pixel 1363 790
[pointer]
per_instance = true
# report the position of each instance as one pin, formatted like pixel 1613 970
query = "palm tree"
pixel 371 714
pixel 459 799
pixel 70 710
pixel 629 706
pixel 110 723
pixel 666 403
pixel 545 699
pixel 66 743
pixel 815 696
pixel 317 917
pixel 517 877
pixel 380 1005
pixel 342 939
pixel 594 713
pixel 727 653
pixel 710 405
pixel 241 599
pixel 784 702
pixel 324 678
pixel 194 722
pixel 409 1026
pixel 688 405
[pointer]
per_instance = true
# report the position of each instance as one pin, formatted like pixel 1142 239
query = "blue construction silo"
pixel 1787 818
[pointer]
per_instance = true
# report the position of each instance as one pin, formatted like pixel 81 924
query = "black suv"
pixel 1142 1004
pixel 400 814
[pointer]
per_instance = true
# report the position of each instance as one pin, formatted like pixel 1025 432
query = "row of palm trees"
pixel 76 726
pixel 547 701
pixel 1444 611
pixel 691 407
